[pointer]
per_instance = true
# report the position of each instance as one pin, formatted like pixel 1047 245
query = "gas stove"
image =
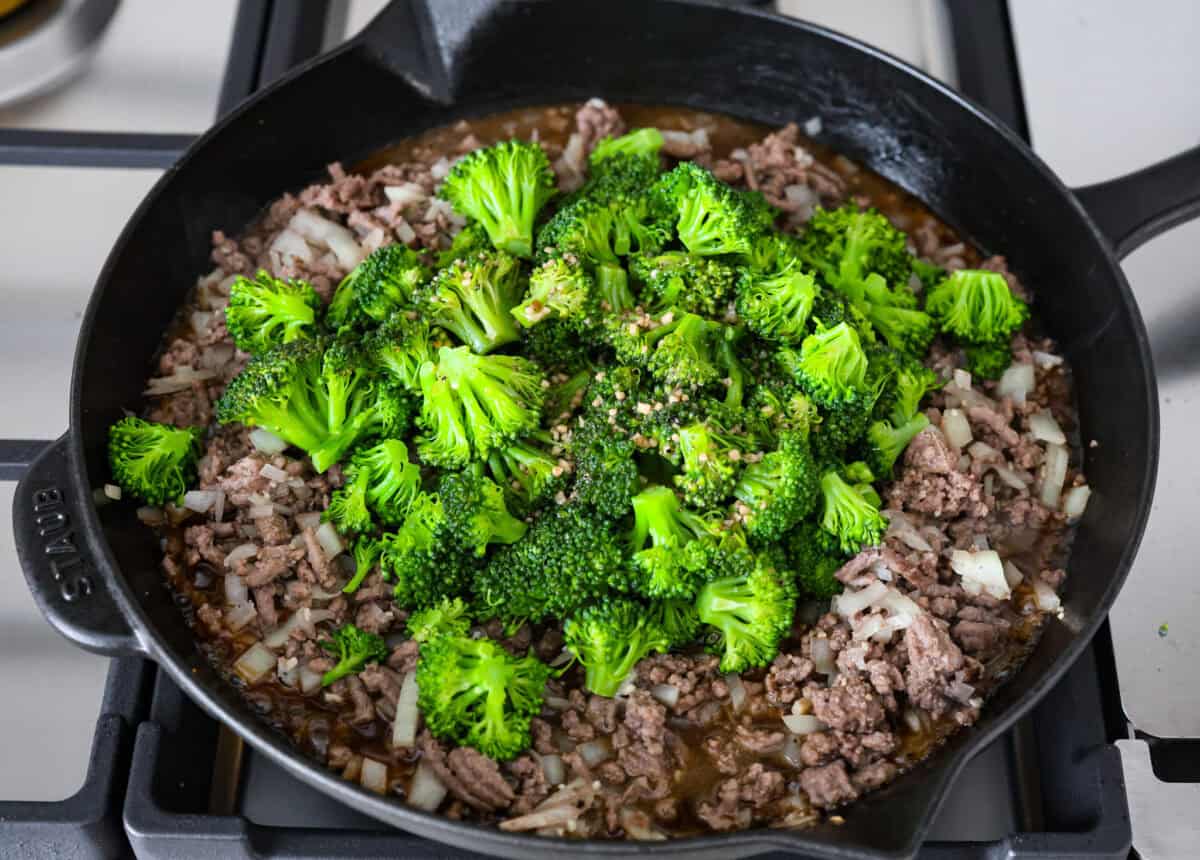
pixel 108 758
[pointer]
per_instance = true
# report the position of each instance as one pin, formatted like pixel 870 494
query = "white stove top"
pixel 1103 97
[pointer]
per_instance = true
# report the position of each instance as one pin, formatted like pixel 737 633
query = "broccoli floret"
pixel 450 617
pixel 847 245
pixel 568 558
pixel 558 290
pixel 641 143
pixel 378 287
pixel 474 693
pixel 676 279
pixel 907 387
pixel 831 366
pixel 660 544
pixel 989 360
pixel 467 242
pixel 348 509
pixel 529 473
pixel 503 187
pixel 779 490
pixel 710 217
pixel 401 345
pixel 846 515
pixel 584 232
pixel 321 400
pixel 929 274
pixel 473 404
pixel 153 462
pixel 476 512
pixel 977 307
pixel 780 406
pixel 392 480
pixel 815 558
pixel 606 473
pixel 906 330
pixel 423 557
pixel 609 638
pixel 366 553
pixel 687 353
pixel 473 298
pixel 267 311
pixel 885 442
pixel 676 619
pixel 752 612
pixel 711 458
pixel 565 396
pixel 353 649
pixel 777 303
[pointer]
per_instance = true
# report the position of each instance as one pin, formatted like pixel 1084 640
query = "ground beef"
pixel 532 787
pixel 933 659
pixel 374 618
pixel 850 705
pixel 696 677
pixel 404 657
pixel 759 741
pixel 786 677
pixel 470 776
pixel 596 121
pixel 931 483
pixel 640 740
pixel 271 563
pixel 273 529
pixel 740 800
pixel 828 785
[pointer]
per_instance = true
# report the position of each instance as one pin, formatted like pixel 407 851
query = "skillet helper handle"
pixel 1130 210
pixel 62 576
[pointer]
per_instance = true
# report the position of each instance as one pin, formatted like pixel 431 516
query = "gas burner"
pixel 43 43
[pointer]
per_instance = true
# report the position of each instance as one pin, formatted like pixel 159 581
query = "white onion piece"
pixel 554 769
pixel 1046 359
pixel 426 792
pixel 238 615
pixel 374 776
pixel 256 512
pixel 246 550
pixel 216 356
pixel 791 751
pixel 112 491
pixel 288 247
pixel 404 231
pixel 962 378
pixel 960 691
pixel 850 603
pixel 1010 477
pixel 288 677
pixel 982 451
pixel 327 234
pixel 980 542
pixel 235 589
pixel 181 380
pixel 637 825
pixel 822 656
pixel 440 168
pixel 1045 596
pixel 219 505
pixel 900 607
pixel 737 692
pixel 404 729
pixel 959 396
pixel 899 526
pixel 912 720
pixel 404 193
pixel 668 694
pixel 302 618
pixel 199 500
pixel 957 428
pixel 1075 501
pixel 595 752
pixel 330 540
pixel 1016 382
pixel 803 724
pixel 566 804
pixel 1012 575
pixel 273 473
pixel 267 442
pixel 309 520
pixel 812 126
pixel 1054 474
pixel 867 626
pixel 255 663
pixel 200 321
pixel 1044 428
pixel 310 681
pixel 981 571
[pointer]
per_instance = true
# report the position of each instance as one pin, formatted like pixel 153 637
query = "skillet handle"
pixel 66 584
pixel 1130 210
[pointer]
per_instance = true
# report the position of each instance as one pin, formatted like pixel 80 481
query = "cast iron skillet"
pixel 424 63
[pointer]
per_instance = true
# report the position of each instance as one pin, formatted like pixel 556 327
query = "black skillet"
pixel 424 63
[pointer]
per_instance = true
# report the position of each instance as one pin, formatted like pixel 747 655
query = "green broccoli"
pixel 847 245
pixel 641 143
pixel 687 353
pixel 777 304
pixel 476 512
pixel 474 693
pixel 815 558
pixel 977 307
pixel 676 279
pixel 584 233
pixel 885 442
pixel 366 552
pixel 558 290
pixel 503 187
pixel 907 330
pixel 710 217
pixel 779 406
pixel 609 638
pixel 424 558
pixel 266 311
pixel 401 345
pixel 381 285
pixel 606 473
pixel 988 360
pixel 660 544
pixel 392 480
pixel 752 612
pixel 353 649
pixel 779 490
pixel 473 298
pixel 450 617
pixel 348 509
pixel 473 404
pixel 906 388
pixel 153 462
pixel 676 619
pixel 467 242
pixel 528 472
pixel 711 457
pixel 849 517
pixel 831 366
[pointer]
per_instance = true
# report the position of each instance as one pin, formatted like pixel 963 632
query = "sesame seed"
pixel 735 454
pixel 644 408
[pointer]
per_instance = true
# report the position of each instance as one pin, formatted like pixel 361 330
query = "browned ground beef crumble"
pixel 718 757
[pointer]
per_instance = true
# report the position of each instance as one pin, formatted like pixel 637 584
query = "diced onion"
pixel 255 663
pixel 1045 429
pixel 259 511
pixel 822 656
pixel 803 724
pixel 235 589
pixel 638 826
pixel 812 126
pixel 1075 501
pixel 326 233
pixel 404 231
pixel 737 692
pixel 668 694
pixel 199 500
pixel 867 626
pixel 330 540
pixel 553 768
pixel 404 193
pixel 982 451
pixel 902 609
pixel 310 681
pixel 960 691
pixel 113 492
pixel 1016 382
pixel 426 792
pixel 267 442
pixel 309 520
pixel 1046 597
pixel 1054 473
pixel 302 618
pixel 1012 575
pixel 404 729
pixel 200 321
pixel 288 247
pixel 595 752
pixel 273 473
pixel 566 804
pixel 374 776
pixel 1046 359
pixel 288 677
pixel 219 505
pixel 440 168
pixel 1010 477
pixel 246 550
pixel 238 615
pixel 962 378
pixel 957 428
pixel 850 603
pixel 981 571
pixel 182 379
pixel 900 527
pixel 791 751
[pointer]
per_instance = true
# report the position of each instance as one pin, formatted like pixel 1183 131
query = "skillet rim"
pixel 478 837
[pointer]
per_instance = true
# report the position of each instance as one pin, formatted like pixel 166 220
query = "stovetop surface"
pixel 165 71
